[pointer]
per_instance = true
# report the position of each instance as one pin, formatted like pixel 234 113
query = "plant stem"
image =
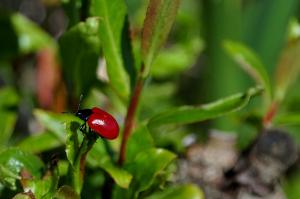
pixel 129 119
pixel 79 163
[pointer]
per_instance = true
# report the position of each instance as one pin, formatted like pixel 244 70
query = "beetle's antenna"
pixel 80 100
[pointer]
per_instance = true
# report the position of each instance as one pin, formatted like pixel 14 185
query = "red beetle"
pixel 100 122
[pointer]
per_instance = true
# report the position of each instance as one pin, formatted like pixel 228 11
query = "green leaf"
pixel 30 37
pixel 158 22
pixel 72 144
pixel 13 161
pixel 140 140
pixel 179 192
pixel 190 114
pixel 54 122
pixel 8 113
pixel 287 119
pixel 66 192
pixel 44 187
pixel 22 196
pixel 147 166
pixel 288 68
pixel 249 61
pixel 40 143
pixel 98 157
pixel 112 19
pixel 176 58
pixel 80 49
pixel 8 178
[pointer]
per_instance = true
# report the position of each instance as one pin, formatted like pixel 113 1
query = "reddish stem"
pixel 270 114
pixel 129 120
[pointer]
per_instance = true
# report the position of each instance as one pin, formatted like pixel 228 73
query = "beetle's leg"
pixel 83 128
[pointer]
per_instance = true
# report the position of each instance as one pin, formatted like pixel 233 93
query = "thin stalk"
pixel 77 170
pixel 129 119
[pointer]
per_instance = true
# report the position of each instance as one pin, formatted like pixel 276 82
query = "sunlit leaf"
pixel 54 122
pixel 190 114
pixel 158 22
pixel 112 18
pixel 188 191
pixel 288 68
pixel 249 61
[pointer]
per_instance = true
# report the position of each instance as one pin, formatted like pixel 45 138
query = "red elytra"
pixel 100 122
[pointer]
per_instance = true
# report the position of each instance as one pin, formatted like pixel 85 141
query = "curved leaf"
pixel 188 191
pixel 159 19
pixel 112 18
pixel 190 114
pixel 98 157
pixel 249 61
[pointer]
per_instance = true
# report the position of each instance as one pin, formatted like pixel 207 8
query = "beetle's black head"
pixel 84 114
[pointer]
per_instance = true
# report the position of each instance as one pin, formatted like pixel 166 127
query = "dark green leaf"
pixel 139 141
pixel 112 18
pixel 179 192
pixel 158 22
pixel 249 61
pixel 98 157
pixel 147 166
pixel 20 35
pixel 8 114
pixel 13 161
pixel 190 114
pixel 80 49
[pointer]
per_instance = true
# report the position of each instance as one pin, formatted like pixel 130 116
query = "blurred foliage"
pixel 186 54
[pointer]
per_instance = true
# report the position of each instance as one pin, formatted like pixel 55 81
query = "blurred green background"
pixel 47 60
